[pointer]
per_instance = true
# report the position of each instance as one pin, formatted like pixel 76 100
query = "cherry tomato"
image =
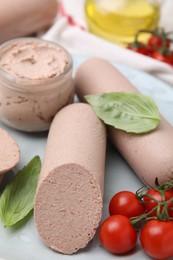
pixel 142 49
pixel 156 42
pixel 171 58
pixel 117 235
pixel 125 203
pixel 162 57
pixel 156 238
pixel 149 202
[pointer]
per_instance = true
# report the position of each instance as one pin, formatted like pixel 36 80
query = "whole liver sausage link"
pixel 20 18
pixel 9 152
pixel 69 198
pixel 149 155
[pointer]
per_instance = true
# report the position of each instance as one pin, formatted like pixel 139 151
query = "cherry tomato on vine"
pixel 117 235
pixel 171 58
pixel 139 48
pixel 156 42
pixel 125 203
pixel 150 203
pixel 156 238
pixel 162 57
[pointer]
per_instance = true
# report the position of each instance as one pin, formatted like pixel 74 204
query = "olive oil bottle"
pixel 119 20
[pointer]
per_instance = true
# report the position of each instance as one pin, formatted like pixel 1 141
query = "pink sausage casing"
pixel 9 152
pixel 22 17
pixel 149 155
pixel 69 198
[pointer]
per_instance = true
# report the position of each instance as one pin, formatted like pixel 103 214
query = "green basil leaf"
pixel 17 200
pixel 131 112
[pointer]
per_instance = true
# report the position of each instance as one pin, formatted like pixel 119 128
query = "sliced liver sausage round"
pixel 9 152
pixel 149 155
pixel 69 198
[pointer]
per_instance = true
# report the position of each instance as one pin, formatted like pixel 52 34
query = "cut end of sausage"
pixel 9 152
pixel 68 208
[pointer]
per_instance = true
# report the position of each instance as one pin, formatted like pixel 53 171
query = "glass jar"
pixel 119 20
pixel 35 83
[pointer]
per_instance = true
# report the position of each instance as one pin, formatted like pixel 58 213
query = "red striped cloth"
pixel 70 19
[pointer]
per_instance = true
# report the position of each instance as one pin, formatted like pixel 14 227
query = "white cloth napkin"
pixel 81 42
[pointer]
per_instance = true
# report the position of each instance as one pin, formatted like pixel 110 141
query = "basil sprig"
pixel 131 112
pixel 17 200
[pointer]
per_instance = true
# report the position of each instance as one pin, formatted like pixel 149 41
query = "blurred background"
pixel 114 20
pixel 119 20
pixel 134 32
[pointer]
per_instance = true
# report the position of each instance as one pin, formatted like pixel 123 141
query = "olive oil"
pixel 119 20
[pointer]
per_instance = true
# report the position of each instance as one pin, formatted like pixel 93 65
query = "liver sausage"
pixel 149 155
pixel 9 152
pixel 22 17
pixel 69 198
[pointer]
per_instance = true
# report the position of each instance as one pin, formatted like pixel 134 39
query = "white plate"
pixel 24 243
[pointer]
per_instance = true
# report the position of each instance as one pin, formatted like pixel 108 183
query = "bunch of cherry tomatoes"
pixel 158 45
pixel 148 213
